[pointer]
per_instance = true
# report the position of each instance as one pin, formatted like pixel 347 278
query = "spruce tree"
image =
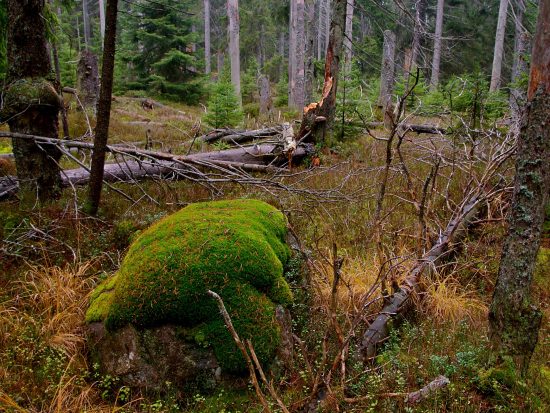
pixel 224 110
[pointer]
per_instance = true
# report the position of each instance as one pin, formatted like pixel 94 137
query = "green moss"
pixel 23 93
pixel 101 300
pixel 235 248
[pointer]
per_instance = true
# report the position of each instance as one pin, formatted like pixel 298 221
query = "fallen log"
pixel 379 329
pixel 239 136
pixel 417 128
pixel 146 163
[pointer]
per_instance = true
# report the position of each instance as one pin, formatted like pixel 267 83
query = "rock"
pixel 147 359
pixel 153 322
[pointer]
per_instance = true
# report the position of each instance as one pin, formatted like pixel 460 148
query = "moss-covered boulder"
pixel 235 248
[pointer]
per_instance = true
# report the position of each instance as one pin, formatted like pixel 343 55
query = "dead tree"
pixel 522 41
pixel 319 117
pixel 104 109
pixel 499 46
pixel 207 45
pixel 88 79
pixel 30 100
pixel 514 322
pixel 266 101
pixel 234 45
pixel 296 56
pixel 388 69
pixel 434 81
pixel 348 38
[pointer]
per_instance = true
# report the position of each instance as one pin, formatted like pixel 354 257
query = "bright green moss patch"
pixel 235 248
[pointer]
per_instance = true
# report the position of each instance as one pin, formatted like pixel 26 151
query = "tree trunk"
pixel 320 25
pixel 207 53
pixel 388 69
pixel 310 51
pixel 104 109
pixel 88 79
pixel 101 4
pixel 521 46
pixel 348 38
pixel 87 26
pixel 234 45
pixel 499 46
pixel 434 81
pixel 513 321
pixel 319 117
pixel 292 27
pixel 297 84
pixel 418 35
pixel 266 102
pixel 31 103
pixel 55 56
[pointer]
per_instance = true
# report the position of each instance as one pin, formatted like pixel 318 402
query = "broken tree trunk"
pixel 388 69
pixel 319 117
pixel 379 329
pixel 239 136
pixel 88 79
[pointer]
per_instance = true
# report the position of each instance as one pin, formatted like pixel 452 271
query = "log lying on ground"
pixel 417 128
pixel 239 136
pixel 378 330
pixel 259 158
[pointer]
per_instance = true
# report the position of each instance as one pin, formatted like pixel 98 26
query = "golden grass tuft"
pixel 448 301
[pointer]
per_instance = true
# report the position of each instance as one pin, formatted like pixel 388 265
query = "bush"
pixel 223 107
pixel 235 248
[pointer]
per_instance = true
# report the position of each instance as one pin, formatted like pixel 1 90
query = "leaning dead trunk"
pixel 319 117
pixel 514 322
pixel 30 101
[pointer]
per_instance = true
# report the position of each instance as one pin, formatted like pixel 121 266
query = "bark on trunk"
pixel 55 56
pixel 234 45
pixel 87 26
pixel 297 83
pixel 521 49
pixel 388 69
pixel 434 81
pixel 348 39
pixel 319 117
pixel 31 103
pixel 292 28
pixel 88 79
pixel 499 46
pixel 266 102
pixel 513 321
pixel 207 52
pixel 104 109
pixel 310 50
pixel 101 4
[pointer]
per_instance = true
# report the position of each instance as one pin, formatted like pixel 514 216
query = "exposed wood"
pixel 239 136
pixel 428 390
pixel 417 128
pixel 379 329
pixel 499 46
pixel 388 69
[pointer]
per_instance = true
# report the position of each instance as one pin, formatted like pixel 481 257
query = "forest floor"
pixel 53 256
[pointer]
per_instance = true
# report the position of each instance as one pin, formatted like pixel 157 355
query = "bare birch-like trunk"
pixel 348 38
pixel 207 43
pixel 291 50
pixel 298 68
pixel 434 81
pixel 310 50
pixel 87 27
pixel 234 45
pixel 499 46
pixel 101 5
pixel 388 69
pixel 514 321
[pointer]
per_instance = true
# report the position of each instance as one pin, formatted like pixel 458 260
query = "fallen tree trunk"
pixel 378 330
pixel 239 136
pixel 145 163
pixel 417 128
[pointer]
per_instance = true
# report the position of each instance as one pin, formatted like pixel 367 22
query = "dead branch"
pixel 426 391
pixel 239 136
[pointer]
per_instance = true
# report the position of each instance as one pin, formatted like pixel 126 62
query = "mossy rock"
pixel 235 248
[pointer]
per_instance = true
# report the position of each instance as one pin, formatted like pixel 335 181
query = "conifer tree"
pixel 224 110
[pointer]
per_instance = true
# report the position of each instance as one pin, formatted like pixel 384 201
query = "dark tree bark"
pixel 514 322
pixel 88 79
pixel 31 103
pixel 319 117
pixel 103 109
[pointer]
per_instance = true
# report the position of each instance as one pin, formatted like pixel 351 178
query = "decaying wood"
pixel 378 330
pixel 257 158
pixel 416 128
pixel 239 136
pixel 426 391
